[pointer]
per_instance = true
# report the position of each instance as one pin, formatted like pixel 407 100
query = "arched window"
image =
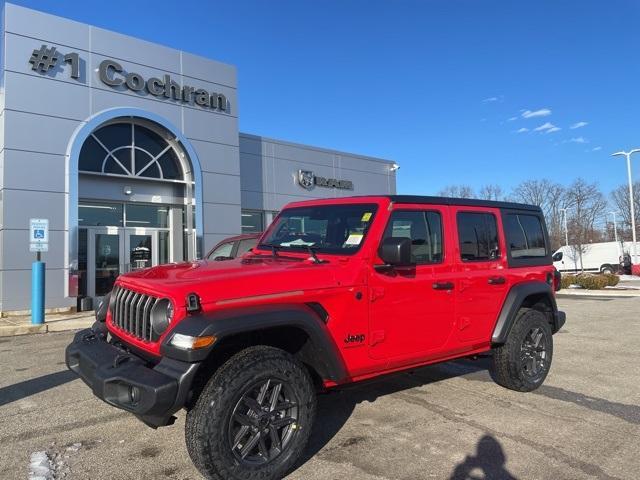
pixel 130 149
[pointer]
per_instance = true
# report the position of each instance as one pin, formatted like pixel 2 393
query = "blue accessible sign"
pixel 38 235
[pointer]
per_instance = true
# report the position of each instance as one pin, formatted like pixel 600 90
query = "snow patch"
pixel 40 467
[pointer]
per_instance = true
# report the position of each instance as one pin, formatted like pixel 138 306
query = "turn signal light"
pixel 187 342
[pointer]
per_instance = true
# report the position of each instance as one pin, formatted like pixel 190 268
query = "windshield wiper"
pixel 312 251
pixel 274 248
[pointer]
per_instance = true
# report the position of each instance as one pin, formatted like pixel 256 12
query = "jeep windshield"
pixel 337 229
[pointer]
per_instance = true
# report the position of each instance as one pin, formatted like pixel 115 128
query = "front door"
pixel 115 250
pixel 104 259
pixel 141 248
pixel 412 308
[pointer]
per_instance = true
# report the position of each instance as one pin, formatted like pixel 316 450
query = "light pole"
pixel 566 230
pixel 633 213
pixel 615 226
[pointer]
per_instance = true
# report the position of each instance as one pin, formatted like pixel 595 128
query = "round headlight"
pixel 161 316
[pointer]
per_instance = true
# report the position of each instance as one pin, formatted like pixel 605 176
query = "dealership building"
pixel 131 151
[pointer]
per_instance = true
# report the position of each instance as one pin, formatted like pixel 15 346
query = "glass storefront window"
pixel 147 216
pixel 82 262
pixel 252 221
pixel 100 214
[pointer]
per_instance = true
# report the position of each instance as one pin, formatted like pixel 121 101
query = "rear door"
pixel 482 280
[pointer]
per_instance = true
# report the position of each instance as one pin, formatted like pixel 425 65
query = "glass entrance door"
pixel 104 259
pixel 115 250
pixel 141 248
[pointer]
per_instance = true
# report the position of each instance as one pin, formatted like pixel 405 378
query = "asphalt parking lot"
pixel 448 421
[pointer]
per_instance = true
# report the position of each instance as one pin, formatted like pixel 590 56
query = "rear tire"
pixel 253 418
pixel 607 269
pixel 524 360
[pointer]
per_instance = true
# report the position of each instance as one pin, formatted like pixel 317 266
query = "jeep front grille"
pixel 131 312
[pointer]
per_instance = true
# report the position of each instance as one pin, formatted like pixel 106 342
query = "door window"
pixel 424 228
pixel 140 251
pixel 223 250
pixel 478 236
pixel 107 262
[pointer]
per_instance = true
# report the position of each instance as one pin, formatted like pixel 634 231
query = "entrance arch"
pixel 115 156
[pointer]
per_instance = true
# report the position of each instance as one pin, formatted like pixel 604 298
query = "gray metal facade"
pixel 42 115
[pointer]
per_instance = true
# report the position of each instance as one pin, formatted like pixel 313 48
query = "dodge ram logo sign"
pixel 307 179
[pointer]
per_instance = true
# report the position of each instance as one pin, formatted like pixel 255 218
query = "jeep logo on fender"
pixel 358 338
pixel 307 179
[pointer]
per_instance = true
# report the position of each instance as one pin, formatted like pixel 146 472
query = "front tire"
pixel 253 418
pixel 523 362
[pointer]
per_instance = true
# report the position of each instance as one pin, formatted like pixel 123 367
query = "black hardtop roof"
pixel 467 202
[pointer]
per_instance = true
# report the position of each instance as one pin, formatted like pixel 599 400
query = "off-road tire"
pixel 512 362
pixel 209 423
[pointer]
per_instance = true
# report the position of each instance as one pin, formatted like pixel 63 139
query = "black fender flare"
pixel 320 351
pixel 515 298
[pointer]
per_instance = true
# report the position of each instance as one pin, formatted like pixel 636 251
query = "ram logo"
pixel 306 179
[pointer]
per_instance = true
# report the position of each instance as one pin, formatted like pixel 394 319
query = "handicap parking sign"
pixel 38 234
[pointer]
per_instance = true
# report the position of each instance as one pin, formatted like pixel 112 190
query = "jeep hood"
pixel 237 279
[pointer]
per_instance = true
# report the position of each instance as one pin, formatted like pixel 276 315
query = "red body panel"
pixel 404 320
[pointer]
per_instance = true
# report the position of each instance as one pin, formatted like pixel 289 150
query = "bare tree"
pixel 491 192
pixel 551 198
pixel 620 201
pixel 586 204
pixel 458 191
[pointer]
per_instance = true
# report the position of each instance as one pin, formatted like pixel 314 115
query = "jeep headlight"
pixel 161 316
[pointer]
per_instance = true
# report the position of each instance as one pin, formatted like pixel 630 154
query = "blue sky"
pixel 440 86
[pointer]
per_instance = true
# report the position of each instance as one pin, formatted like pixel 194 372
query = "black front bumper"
pixel 153 392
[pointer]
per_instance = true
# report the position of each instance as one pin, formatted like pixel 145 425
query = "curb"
pixel 15 330
pixel 52 325
pixel 598 293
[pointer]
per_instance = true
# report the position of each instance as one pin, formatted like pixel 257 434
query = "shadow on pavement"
pixel 489 459
pixel 25 389
pixel 335 407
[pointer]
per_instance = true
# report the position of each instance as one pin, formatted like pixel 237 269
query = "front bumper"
pixel 151 392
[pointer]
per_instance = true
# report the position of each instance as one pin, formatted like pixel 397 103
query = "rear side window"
pixel 478 235
pixel 525 236
pixel 424 228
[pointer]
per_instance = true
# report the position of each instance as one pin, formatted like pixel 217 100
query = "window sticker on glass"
pixel 354 239
pixel 366 217
pixel 296 242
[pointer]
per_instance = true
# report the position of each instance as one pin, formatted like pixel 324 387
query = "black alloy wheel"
pixel 534 353
pixel 263 422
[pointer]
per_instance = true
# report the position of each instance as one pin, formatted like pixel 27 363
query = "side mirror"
pixel 395 251
pixel 557 256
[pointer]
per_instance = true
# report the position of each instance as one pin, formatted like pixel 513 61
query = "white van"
pixel 596 257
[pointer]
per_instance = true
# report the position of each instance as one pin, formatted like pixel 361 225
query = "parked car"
pixel 603 257
pixel 233 247
pixel 338 291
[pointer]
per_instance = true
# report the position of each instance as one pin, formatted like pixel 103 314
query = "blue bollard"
pixel 37 293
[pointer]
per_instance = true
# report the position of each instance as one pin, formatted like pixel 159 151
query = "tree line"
pixel 588 209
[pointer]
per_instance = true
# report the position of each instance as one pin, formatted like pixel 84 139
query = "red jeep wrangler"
pixel 336 291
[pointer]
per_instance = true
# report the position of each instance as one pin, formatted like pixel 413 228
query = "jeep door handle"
pixel 442 285
pixel 497 280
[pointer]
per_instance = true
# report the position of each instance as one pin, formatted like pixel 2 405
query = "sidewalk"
pixel 607 292
pixel 55 322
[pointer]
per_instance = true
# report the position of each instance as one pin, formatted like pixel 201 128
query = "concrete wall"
pixel 269 168
pixel 40 112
